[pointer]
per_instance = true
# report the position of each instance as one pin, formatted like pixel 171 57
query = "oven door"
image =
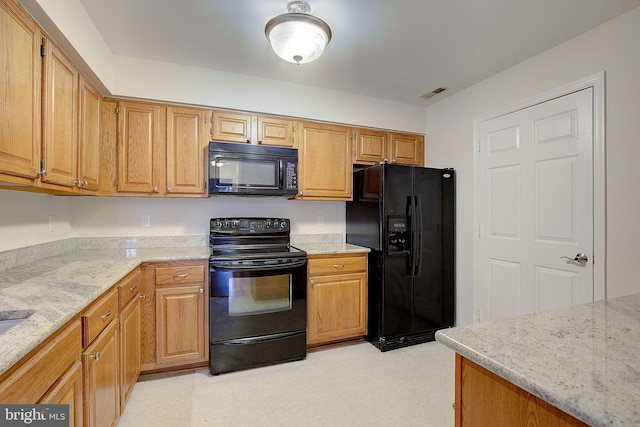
pixel 257 298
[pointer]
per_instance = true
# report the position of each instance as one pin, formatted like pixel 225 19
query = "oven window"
pixel 257 295
pixel 246 173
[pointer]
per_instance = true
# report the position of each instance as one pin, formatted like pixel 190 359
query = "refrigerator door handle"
pixel 414 226
pixel 417 250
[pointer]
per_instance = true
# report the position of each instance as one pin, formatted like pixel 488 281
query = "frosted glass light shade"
pixel 298 38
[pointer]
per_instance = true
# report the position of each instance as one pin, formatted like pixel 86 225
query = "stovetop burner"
pixel 232 239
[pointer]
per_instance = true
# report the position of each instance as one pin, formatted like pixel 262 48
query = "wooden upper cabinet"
pixel 406 149
pixel 232 127
pixel 20 96
pixel 139 147
pixel 60 133
pixel 253 129
pixel 188 132
pixel 370 146
pixel 325 167
pixel 276 131
pixel 89 134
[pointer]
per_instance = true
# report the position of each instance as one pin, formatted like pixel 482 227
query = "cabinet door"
pixel 68 391
pixel 138 147
pixel 324 162
pixel 187 136
pixel 60 138
pixel 148 319
pixel 274 131
pixel 129 349
pixel 338 308
pixel 101 379
pixel 370 146
pixel 20 96
pixel 180 324
pixel 406 149
pixel 90 104
pixel 232 127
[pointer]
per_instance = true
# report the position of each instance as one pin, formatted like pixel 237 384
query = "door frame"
pixel 597 83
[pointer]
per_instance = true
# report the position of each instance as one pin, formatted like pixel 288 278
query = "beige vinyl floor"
pixel 351 385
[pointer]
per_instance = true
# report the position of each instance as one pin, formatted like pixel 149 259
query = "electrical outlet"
pixel 146 221
pixel 320 220
pixel 52 223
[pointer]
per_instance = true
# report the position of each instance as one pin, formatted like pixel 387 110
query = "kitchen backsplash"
pixel 16 257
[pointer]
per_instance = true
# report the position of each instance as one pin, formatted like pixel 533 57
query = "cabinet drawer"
pixel 30 382
pixel 128 288
pixel 101 313
pixel 337 265
pixel 180 274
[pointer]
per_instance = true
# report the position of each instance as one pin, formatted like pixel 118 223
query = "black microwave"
pixel 252 170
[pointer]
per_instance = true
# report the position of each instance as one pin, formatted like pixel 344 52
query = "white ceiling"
pixel 388 49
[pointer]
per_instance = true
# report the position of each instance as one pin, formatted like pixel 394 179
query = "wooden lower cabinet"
pixel 337 298
pixel 180 331
pixel 68 391
pixel 102 379
pixel 44 369
pixel 485 399
pixel 175 321
pixel 129 348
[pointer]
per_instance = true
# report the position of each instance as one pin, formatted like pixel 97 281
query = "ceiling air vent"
pixel 433 93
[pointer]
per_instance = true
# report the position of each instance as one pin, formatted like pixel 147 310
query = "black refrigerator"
pixel 406 216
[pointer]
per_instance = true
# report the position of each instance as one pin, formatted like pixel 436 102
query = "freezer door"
pixel 397 293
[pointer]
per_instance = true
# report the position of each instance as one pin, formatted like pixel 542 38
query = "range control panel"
pixel 258 226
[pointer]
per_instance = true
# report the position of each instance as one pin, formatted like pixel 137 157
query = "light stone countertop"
pixel 330 248
pixel 585 360
pixel 324 244
pixel 55 289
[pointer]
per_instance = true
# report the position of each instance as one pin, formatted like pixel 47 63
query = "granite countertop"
pixel 53 290
pixel 324 244
pixel 330 248
pixel 585 360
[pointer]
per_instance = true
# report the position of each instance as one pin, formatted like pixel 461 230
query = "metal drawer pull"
pixel 180 276
pixel 143 296
pixel 338 266
pixel 106 315
pixel 133 288
pixel 96 357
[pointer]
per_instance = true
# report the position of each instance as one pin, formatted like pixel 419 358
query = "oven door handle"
pixel 255 340
pixel 219 266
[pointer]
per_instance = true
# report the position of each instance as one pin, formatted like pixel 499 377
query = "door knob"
pixel 579 258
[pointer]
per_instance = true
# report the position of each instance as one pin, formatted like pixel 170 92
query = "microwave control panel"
pixel 291 176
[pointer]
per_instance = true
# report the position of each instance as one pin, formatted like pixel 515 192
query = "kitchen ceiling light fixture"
pixel 297 36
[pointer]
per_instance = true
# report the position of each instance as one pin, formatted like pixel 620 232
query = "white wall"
pixel 612 48
pixel 119 216
pixel 24 219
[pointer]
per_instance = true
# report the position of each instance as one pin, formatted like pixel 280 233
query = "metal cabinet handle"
pixel 133 288
pixel 338 266
pixel 201 290
pixel 155 189
pixel 96 357
pixel 106 315
pixel 180 276
pixel 143 296
pixel 579 258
